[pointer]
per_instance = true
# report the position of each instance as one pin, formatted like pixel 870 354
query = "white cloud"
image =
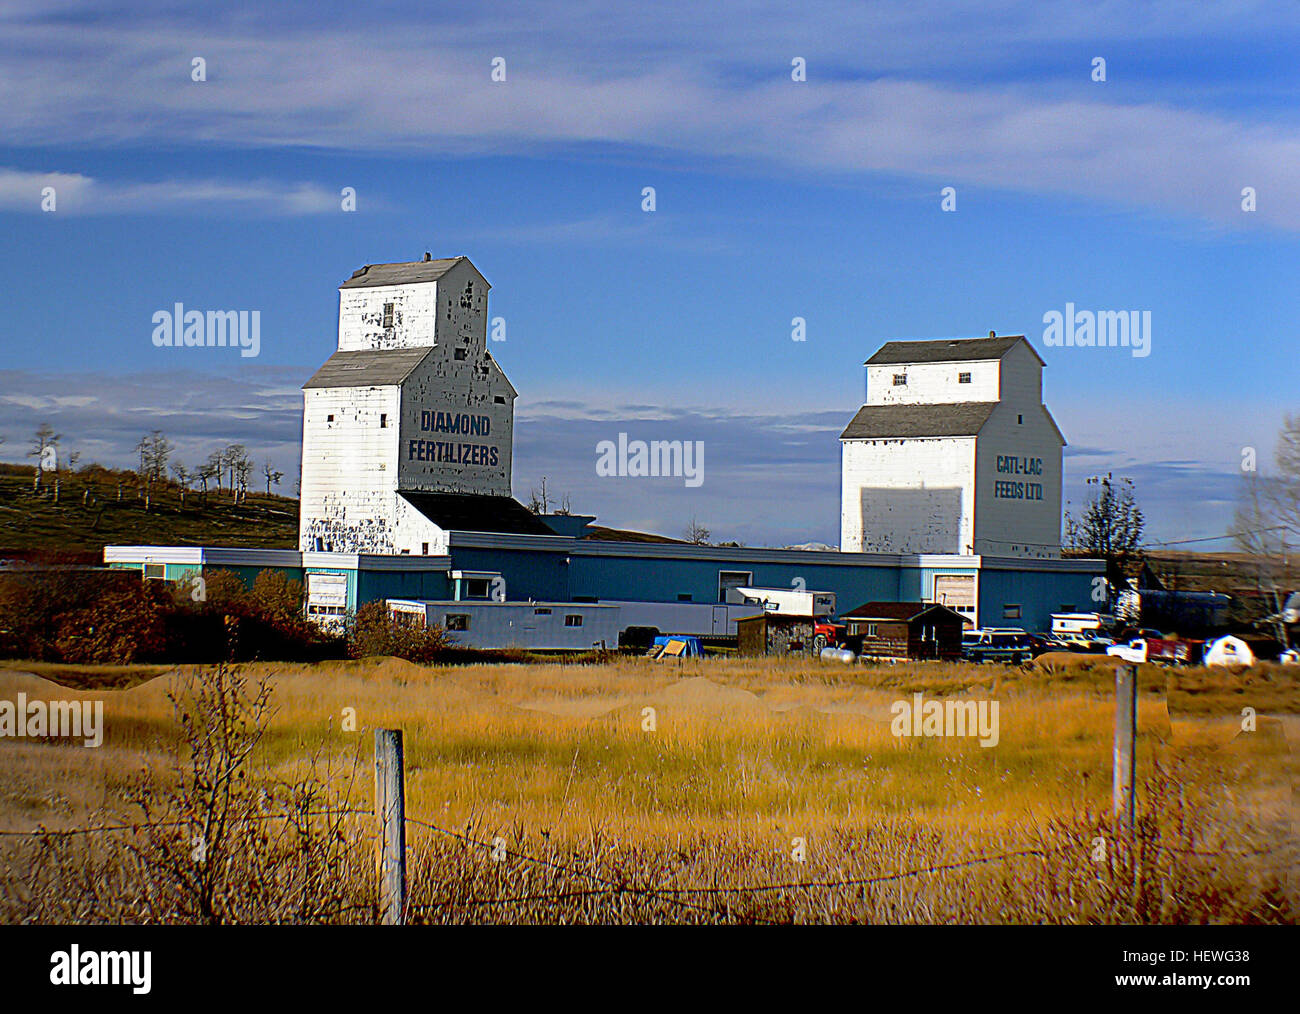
pixel 75 193
pixel 646 82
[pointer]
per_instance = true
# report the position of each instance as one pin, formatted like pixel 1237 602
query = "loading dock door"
pixel 956 591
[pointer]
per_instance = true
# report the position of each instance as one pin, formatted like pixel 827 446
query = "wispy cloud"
pixel 634 83
pixel 75 193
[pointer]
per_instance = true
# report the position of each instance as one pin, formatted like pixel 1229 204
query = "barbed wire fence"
pixel 714 902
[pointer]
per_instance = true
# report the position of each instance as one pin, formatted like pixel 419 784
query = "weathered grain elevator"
pixel 953 452
pixel 408 427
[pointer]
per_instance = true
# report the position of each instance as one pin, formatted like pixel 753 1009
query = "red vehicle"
pixel 1155 649
pixel 827 635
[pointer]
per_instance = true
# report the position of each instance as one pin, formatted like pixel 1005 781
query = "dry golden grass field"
pixel 753 791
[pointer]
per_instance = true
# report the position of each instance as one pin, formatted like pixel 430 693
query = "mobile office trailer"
pixel 701 619
pixel 787 601
pixel 537 626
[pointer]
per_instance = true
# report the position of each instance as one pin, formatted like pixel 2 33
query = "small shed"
pixel 774 634
pixel 906 630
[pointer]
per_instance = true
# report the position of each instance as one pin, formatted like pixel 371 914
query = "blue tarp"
pixel 693 646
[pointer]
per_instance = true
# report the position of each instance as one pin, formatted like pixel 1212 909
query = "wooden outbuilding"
pixel 906 630
pixel 774 634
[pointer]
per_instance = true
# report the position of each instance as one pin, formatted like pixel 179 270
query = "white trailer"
pixel 788 601
pixel 702 619
pixel 539 626
pixel 1082 623
pixel 565 626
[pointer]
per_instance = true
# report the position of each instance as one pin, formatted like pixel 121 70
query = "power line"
pixel 1220 538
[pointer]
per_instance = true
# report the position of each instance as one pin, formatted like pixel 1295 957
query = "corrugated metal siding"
pixel 1038 593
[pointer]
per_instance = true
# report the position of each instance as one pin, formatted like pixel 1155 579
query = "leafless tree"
pixel 44 448
pixel 272 476
pixel 540 502
pixel 205 473
pixel 183 479
pixel 213 469
pixel 1266 523
pixel 154 449
pixel 697 534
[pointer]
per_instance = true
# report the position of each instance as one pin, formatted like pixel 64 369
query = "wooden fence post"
pixel 390 811
pixel 1124 762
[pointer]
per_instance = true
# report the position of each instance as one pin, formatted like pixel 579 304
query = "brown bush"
pixel 122 626
pixel 373 631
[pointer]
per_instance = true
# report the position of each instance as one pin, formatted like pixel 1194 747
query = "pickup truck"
pixel 1000 647
pixel 1153 649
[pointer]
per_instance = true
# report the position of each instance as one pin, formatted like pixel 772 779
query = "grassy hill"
pixel 99 507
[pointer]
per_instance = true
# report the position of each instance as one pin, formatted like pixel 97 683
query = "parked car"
pixel 1127 634
pixel 1045 642
pixel 1086 643
pixel 998 646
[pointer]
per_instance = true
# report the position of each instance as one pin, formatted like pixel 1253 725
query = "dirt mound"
pixel 700 694
pixel 1056 661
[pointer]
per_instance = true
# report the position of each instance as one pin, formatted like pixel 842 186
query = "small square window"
pixel 457 621
pixel 383 420
pixel 963 378
pixel 871 630
pixel 462 354
pixel 330 417
pixel 388 315
pixel 1010 612
pixel 900 379
pixel 1020 420
pixel 155 571
pixel 424 549
pixel 543 611
pixel 500 399
pixel 683 596
pixel 573 620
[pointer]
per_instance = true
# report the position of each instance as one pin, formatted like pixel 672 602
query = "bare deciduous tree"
pixel 1266 523
pixel 44 447
pixel 697 534
pixel 272 476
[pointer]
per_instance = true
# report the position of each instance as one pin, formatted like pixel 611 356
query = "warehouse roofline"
pixel 745 554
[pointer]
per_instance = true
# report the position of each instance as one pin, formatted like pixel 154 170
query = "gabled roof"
pixel 948 350
pixel 368 368
pixel 960 419
pixel 403 273
pixel 894 611
pixel 476 512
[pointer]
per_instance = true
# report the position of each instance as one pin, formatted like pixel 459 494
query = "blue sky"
pixel 775 199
